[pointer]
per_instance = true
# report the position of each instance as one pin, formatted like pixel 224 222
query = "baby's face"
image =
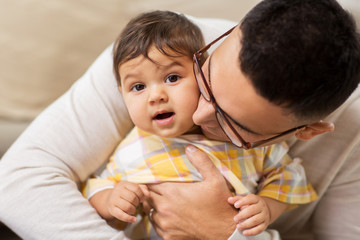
pixel 161 95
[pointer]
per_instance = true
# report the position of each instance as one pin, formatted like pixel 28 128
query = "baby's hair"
pixel 169 32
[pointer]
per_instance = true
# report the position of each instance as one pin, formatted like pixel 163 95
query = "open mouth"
pixel 162 116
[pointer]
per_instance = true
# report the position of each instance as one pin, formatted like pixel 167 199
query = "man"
pixel 298 61
pixel 39 172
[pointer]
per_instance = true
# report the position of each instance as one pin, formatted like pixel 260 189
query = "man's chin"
pixel 220 136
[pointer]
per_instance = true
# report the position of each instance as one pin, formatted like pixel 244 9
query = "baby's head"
pixel 171 33
pixel 154 71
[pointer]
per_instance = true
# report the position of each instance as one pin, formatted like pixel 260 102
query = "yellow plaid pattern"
pixel 145 158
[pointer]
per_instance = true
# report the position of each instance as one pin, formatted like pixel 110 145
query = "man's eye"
pixel 138 87
pixel 172 78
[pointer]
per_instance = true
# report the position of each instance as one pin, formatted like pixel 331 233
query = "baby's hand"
pixel 254 214
pixel 124 199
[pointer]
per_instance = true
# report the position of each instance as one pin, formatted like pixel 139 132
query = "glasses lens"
pixel 228 130
pixel 200 81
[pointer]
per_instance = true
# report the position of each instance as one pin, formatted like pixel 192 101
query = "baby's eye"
pixel 172 78
pixel 138 87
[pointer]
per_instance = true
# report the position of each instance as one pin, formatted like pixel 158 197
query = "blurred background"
pixel 45 46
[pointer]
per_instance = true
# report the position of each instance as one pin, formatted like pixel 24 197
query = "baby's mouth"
pixel 162 116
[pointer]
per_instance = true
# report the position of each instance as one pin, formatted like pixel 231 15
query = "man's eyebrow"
pixel 242 126
pixel 233 120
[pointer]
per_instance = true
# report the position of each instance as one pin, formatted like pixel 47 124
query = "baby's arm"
pixel 120 202
pixel 256 213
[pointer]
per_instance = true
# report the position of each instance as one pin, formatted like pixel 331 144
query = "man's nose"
pixel 157 94
pixel 205 112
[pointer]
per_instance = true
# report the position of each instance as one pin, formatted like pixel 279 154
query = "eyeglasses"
pixel 222 117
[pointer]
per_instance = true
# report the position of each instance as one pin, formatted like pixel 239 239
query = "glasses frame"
pixel 222 114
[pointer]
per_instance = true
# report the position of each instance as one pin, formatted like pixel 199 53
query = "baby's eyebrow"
pixel 130 78
pixel 130 75
pixel 172 64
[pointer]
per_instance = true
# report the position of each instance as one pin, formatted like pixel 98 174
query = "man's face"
pixel 254 117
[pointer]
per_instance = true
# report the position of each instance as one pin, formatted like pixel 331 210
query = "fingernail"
pixel 191 149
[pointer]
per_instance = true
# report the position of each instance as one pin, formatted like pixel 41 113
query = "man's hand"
pixel 193 210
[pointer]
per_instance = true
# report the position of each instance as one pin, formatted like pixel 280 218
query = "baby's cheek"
pixel 137 114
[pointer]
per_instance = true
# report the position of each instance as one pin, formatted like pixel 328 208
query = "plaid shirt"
pixel 146 158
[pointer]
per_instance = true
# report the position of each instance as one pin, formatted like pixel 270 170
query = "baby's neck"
pixel 194 130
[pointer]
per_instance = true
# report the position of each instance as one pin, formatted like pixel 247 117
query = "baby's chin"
pixel 166 133
pixel 172 134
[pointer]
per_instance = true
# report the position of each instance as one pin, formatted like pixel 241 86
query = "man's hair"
pixel 303 55
pixel 169 32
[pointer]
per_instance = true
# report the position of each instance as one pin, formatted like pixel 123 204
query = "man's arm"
pixel 39 174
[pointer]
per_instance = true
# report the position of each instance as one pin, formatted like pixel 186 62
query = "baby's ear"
pixel 119 87
pixel 314 129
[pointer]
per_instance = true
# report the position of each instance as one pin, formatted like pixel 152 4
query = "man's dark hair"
pixel 303 55
pixel 167 31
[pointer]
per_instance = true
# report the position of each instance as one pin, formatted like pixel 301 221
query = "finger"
pixel 250 222
pixel 138 194
pixel 145 192
pixel 129 197
pixel 161 227
pixel 233 199
pixel 155 194
pixel 255 230
pixel 202 163
pixel 148 203
pixel 157 227
pixel 131 192
pixel 247 200
pixel 247 213
pixel 157 188
pixel 123 216
pixel 124 205
pixel 146 207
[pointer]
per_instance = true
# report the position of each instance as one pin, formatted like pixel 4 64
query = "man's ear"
pixel 314 129
pixel 119 87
